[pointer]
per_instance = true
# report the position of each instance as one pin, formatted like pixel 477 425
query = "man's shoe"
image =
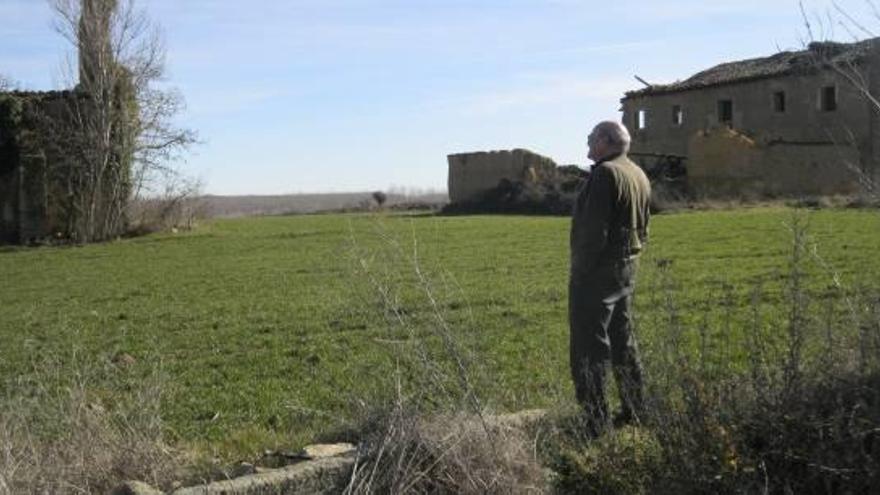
pixel 622 419
pixel 595 427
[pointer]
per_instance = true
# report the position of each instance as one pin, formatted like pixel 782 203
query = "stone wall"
pixel 724 162
pixel 10 168
pixel 9 230
pixel 873 148
pixel 28 209
pixel 473 174
pixel 801 140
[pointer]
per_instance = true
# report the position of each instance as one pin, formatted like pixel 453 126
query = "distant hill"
pixel 239 206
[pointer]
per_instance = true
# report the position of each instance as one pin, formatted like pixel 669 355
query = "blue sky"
pixel 353 95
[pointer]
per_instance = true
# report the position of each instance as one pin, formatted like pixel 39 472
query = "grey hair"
pixel 616 134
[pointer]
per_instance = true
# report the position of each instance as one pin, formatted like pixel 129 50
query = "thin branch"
pixel 852 20
pixel 806 20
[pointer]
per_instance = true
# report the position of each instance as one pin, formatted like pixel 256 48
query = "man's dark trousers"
pixel 600 319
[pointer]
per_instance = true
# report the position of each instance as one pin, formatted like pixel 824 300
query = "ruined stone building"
pixel 473 174
pixel 792 123
pixel 38 176
pixel 31 191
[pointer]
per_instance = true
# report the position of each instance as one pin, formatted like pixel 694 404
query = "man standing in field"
pixel 608 231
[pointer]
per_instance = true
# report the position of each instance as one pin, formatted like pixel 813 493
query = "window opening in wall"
pixel 779 102
pixel 725 111
pixel 677 115
pixel 828 99
pixel 641 121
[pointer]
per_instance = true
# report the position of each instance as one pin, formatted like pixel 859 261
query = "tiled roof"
pixel 780 64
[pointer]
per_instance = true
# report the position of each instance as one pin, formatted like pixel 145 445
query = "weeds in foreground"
pixel 433 433
pixel 743 402
pixel 60 432
pixel 797 412
pixel 448 453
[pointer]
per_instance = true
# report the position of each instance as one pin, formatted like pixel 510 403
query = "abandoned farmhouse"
pixel 793 123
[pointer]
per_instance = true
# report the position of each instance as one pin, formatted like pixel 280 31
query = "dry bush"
pixel 623 462
pixel 798 417
pixel 863 199
pixel 179 207
pixel 425 428
pixel 58 436
pixel 667 197
pixel 453 453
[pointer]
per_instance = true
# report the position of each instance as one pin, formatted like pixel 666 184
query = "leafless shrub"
pixel 431 432
pixel 666 197
pixel 179 207
pixel 426 344
pixel 58 436
pixel 453 453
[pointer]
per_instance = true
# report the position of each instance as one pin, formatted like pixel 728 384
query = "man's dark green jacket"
pixel 611 214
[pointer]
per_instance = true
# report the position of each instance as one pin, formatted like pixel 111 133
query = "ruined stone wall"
pixel 873 151
pixel 28 209
pixel 10 112
pixel 473 174
pixel 803 134
pixel 724 162
pixel 8 207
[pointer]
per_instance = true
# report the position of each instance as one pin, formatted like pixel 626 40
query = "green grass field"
pixel 268 330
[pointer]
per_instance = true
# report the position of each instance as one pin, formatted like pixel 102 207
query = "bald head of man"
pixel 608 138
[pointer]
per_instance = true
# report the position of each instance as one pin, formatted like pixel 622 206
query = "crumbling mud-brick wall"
pixel 473 174
pixel 726 163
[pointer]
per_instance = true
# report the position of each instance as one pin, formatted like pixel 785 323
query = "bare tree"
pixel 178 207
pixel 855 72
pixel 6 84
pixel 819 29
pixel 117 134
